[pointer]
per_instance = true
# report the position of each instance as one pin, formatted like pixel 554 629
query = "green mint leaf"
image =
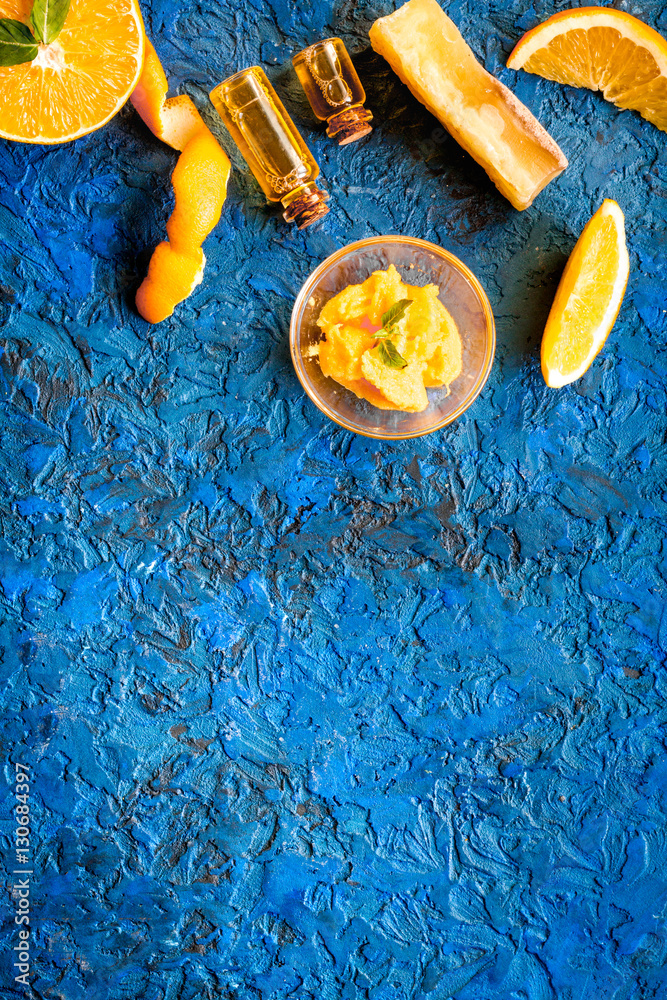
pixel 395 312
pixel 48 17
pixel 389 355
pixel 17 44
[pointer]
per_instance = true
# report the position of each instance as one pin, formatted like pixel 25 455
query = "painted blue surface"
pixel 310 715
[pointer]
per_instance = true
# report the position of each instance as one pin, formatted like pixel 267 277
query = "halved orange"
pixel 588 298
pixel 79 81
pixel 603 49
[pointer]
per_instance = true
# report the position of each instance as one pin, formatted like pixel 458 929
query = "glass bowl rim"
pixel 414 241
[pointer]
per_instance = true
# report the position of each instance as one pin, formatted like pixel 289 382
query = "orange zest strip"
pixel 200 185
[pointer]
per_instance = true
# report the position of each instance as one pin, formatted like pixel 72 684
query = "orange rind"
pixel 171 277
pixel 200 186
pixel 601 48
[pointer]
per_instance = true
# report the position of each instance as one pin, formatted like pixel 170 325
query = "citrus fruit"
pixel 603 49
pixel 200 185
pixel 588 297
pixel 77 82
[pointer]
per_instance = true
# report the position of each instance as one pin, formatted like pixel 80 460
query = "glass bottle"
pixel 333 89
pixel 271 145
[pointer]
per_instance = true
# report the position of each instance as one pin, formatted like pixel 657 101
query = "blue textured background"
pixel 310 715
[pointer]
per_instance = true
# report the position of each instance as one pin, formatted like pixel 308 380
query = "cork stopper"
pixel 350 125
pixel 305 205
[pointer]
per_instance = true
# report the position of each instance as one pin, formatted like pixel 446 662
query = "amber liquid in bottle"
pixel 333 89
pixel 271 145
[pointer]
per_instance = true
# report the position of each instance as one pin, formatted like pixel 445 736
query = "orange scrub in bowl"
pixel 426 337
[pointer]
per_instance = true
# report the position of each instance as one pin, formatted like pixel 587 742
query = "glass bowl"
pixel 419 263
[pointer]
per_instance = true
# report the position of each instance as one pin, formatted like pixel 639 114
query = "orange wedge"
pixel 200 185
pixel 603 49
pixel 588 298
pixel 77 82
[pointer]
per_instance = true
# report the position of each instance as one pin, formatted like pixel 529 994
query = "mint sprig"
pixel 48 17
pixel 387 350
pixel 389 355
pixel 395 313
pixel 18 44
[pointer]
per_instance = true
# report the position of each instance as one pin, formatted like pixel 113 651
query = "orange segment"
pixel 588 298
pixel 603 49
pixel 200 185
pixel 79 81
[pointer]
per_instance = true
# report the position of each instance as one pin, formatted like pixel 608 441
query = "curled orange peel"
pixel 200 185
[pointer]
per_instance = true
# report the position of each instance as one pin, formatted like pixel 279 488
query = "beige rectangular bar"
pixel 427 51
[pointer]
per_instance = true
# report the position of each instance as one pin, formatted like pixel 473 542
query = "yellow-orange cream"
pixel 426 337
